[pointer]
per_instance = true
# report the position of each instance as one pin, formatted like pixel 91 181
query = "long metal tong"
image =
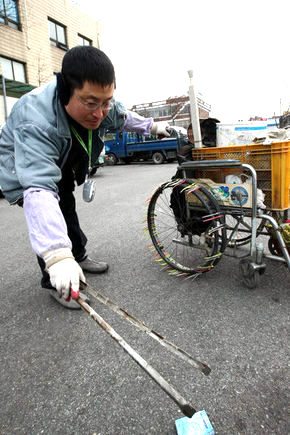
pixel 155 335
pixel 185 407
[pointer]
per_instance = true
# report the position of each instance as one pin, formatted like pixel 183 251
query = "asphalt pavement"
pixel 60 373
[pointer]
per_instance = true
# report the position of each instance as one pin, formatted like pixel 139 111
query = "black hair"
pixel 84 63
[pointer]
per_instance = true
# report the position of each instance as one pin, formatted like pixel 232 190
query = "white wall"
pixel 10 103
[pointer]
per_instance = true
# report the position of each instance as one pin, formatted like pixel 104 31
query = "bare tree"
pixel 42 70
pixel 9 11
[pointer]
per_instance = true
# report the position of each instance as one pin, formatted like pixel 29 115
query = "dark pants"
pixel 68 207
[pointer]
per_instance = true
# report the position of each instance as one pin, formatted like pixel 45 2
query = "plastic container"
pixel 241 133
pixel 271 162
pixel 198 424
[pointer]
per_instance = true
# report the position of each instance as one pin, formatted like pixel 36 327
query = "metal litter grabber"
pixel 187 409
pixel 141 325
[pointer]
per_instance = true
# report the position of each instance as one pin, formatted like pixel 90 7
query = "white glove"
pixel 64 272
pixel 65 276
pixel 160 128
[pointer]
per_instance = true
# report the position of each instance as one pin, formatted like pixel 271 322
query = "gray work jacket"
pixel 36 140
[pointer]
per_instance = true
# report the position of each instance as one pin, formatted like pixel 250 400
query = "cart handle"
pixel 211 164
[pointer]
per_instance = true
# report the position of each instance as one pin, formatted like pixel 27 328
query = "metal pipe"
pixel 27 27
pixel 254 207
pixel 4 98
pixel 274 258
pixel 279 237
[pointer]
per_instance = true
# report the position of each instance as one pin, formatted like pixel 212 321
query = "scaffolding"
pixel 175 110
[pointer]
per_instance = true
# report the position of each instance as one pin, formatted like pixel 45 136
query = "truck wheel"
pixel 127 160
pixel 112 159
pixel 158 158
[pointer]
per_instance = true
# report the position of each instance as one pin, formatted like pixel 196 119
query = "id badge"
pixel 89 189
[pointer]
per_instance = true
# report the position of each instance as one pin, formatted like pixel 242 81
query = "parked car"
pixel 100 162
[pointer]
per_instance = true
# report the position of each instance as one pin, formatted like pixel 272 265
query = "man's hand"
pixel 160 128
pixel 64 272
pixel 65 276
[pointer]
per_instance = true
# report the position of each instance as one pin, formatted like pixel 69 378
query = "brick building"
pixel 175 110
pixel 34 36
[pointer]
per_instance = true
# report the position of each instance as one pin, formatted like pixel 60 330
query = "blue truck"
pixel 128 146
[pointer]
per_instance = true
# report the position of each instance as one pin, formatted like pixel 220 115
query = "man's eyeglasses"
pixel 95 106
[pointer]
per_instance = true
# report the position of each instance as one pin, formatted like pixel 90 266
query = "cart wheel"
pixel 189 236
pixel 272 245
pixel 250 275
pixel 242 235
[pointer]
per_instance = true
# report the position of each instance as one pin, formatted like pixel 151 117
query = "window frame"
pixel 56 42
pixel 8 21
pixel 12 68
pixel 84 38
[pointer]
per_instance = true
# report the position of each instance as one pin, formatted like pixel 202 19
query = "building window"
pixel 57 34
pixel 11 69
pixel 84 41
pixel 9 13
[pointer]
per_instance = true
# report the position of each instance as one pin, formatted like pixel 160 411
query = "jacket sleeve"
pixel 137 123
pixel 121 119
pixel 116 117
pixel 46 225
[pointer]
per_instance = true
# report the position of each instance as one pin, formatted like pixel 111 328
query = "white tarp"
pixel 249 132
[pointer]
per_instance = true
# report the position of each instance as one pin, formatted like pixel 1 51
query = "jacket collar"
pixel 63 129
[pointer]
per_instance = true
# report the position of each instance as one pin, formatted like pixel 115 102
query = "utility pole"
pixel 194 113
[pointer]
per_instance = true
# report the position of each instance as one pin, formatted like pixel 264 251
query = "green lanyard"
pixel 89 149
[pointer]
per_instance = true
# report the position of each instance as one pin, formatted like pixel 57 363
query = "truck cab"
pixel 131 146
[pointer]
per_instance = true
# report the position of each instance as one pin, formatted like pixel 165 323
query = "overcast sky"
pixel 239 52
